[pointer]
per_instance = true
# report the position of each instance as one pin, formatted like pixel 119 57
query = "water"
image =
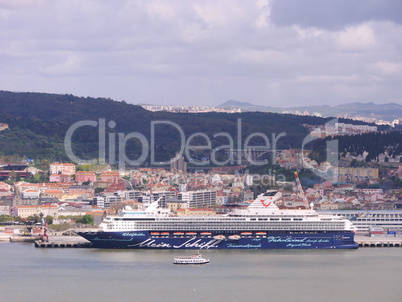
pixel 367 274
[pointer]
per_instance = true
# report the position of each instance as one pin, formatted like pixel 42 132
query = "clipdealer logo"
pixel 238 150
pixel 112 147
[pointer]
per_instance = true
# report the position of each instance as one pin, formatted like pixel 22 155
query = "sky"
pixel 205 52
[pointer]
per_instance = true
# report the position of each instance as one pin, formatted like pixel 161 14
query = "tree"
pixel 5 218
pixel 43 164
pixel 49 219
pixel 86 219
pixel 34 219
pixel 37 178
pixel 362 185
pixel 99 190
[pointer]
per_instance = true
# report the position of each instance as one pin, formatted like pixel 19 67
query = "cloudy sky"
pixel 204 52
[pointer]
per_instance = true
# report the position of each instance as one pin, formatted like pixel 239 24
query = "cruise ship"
pixel 260 225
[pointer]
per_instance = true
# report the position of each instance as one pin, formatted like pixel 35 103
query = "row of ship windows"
pixel 211 219
pixel 244 223
pixel 223 229
pixel 220 227
pixel 227 222
pixel 192 218
pixel 378 219
pixel 239 223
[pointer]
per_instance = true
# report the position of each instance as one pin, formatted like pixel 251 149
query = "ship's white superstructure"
pixel 261 215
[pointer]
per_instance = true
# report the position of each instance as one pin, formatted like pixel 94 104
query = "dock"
pixel 45 244
pixel 380 241
pixel 64 242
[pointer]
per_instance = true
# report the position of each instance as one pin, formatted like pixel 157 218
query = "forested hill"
pixel 374 144
pixel 368 145
pixel 38 123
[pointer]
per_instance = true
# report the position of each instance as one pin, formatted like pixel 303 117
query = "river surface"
pixel 34 274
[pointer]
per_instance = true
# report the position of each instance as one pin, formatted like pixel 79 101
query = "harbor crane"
pixel 301 191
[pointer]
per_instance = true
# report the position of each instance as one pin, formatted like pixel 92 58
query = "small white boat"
pixel 194 259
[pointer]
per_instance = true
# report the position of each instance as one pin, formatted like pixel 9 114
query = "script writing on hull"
pixel 191 243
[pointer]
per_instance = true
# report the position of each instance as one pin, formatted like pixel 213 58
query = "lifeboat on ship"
pixel 261 234
pixel 220 237
pixel 234 237
pixel 191 234
pixel 246 233
pixel 178 234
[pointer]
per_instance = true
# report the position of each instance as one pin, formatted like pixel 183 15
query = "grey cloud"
pixel 202 52
pixel 334 14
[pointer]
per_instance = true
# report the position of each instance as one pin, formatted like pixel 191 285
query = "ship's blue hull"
pixel 277 240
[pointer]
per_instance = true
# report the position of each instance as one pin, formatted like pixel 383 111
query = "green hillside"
pixel 39 122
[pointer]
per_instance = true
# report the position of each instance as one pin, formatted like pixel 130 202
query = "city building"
pixel 194 109
pixel 31 193
pixel 27 211
pixel 341 129
pixel 162 196
pixel 199 199
pixel 105 201
pixel 14 171
pixel 174 204
pixel 112 176
pixel 81 190
pixel 85 176
pixel 129 195
pixel 119 185
pixel 62 168
pixel 347 174
pixel 178 165
pixel 65 178
pixel 4 192
pixel 5 186
pixel 55 193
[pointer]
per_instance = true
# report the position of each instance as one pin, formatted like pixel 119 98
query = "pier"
pixel 43 244
pixel 64 242
pixel 380 241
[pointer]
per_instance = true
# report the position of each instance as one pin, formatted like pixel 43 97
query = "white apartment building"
pixel 130 194
pixel 199 199
pixel 31 193
pixel 105 201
